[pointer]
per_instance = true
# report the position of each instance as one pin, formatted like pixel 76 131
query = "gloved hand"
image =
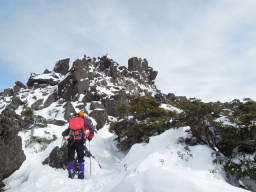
pixel 65 139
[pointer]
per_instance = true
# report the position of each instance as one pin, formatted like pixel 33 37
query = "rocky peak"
pixel 91 76
pixel 140 66
pixel 62 66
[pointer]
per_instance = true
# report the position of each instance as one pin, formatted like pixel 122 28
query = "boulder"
pixel 46 71
pixel 109 105
pixel 8 92
pixel 39 80
pixel 58 157
pixel 69 109
pixel 66 89
pixel 37 104
pixel 18 85
pixel 153 75
pixel 51 99
pixel 10 143
pixel 96 105
pixel 81 75
pixel 100 117
pixel 134 64
pixel 247 147
pixel 104 64
pixel 62 66
pixel 16 102
pixel 56 122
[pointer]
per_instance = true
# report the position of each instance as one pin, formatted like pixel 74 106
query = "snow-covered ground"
pixel 162 165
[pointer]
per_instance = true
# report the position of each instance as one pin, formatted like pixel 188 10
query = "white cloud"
pixel 203 49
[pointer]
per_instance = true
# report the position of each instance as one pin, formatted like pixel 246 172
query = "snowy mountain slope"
pixel 162 165
pixel 97 87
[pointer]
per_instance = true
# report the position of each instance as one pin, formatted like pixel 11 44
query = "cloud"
pixel 203 49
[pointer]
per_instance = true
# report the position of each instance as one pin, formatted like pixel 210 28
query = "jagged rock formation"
pixel 10 143
pixel 101 82
pixel 62 66
pixel 88 76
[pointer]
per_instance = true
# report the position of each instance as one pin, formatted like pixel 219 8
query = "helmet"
pixel 81 113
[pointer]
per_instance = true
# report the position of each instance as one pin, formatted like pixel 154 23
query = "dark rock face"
pixel 100 117
pixel 69 109
pixel 76 82
pixel 16 102
pixel 62 66
pixel 56 122
pixel 142 71
pixel 10 143
pixel 37 104
pixel 58 158
pixel 18 85
pixel 46 71
pixel 247 147
pixel 103 70
pixel 8 92
pixel 51 98
pixel 81 75
pixel 66 88
pixel 37 80
pixel 96 105
pixel 109 105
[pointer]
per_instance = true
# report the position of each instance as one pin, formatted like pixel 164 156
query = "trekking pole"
pixel 90 159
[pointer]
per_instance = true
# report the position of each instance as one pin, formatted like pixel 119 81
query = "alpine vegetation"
pixel 99 126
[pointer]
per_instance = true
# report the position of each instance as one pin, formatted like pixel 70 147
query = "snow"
pixel 162 165
pixel 171 108
pixel 225 121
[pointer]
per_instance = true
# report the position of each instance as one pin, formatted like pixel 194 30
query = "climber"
pixel 79 130
pixel 158 97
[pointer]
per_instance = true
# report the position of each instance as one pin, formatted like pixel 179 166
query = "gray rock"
pixel 46 71
pixel 96 105
pixel 104 63
pixel 69 109
pixel 10 143
pixel 248 146
pixel 66 89
pixel 56 122
pixel 58 157
pixel 37 104
pixel 62 66
pixel 18 85
pixel 134 64
pixel 153 75
pixel 109 105
pixel 100 117
pixel 51 99
pixel 36 82
pixel 81 75
pixel 8 92
pixel 16 102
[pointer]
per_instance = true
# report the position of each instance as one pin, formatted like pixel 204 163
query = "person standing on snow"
pixel 79 130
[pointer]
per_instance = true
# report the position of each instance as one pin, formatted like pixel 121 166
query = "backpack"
pixel 77 129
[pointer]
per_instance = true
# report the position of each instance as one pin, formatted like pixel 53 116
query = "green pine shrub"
pixel 148 120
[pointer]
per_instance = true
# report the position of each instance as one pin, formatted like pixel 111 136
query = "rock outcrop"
pixel 10 143
pixel 62 66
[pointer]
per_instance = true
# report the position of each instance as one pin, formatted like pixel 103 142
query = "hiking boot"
pixel 80 175
pixel 81 171
pixel 71 170
pixel 71 174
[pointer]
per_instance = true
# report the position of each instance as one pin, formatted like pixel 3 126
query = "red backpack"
pixel 77 129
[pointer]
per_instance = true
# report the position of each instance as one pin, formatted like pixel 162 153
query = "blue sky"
pixel 203 49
